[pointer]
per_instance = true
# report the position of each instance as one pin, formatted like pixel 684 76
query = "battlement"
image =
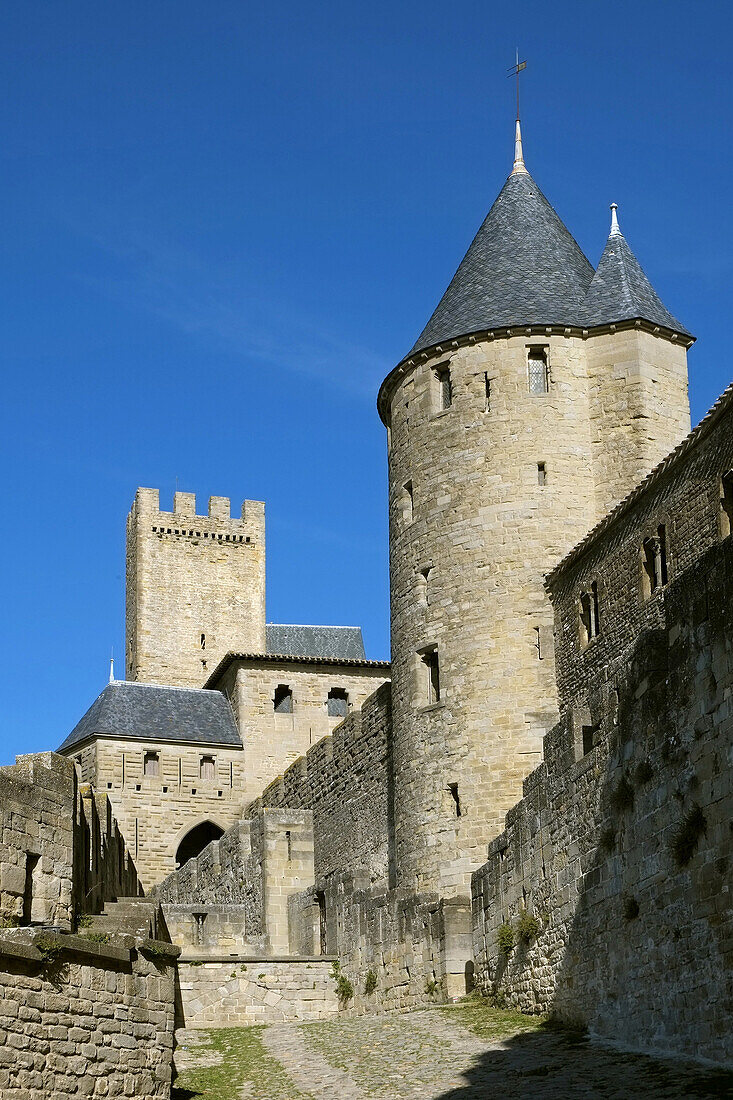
pixel 251 519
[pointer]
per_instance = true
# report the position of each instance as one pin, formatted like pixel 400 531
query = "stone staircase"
pixel 138 917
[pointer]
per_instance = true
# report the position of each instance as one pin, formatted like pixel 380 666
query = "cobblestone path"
pixel 435 1055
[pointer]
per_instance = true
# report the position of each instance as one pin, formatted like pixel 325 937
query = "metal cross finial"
pixel 514 71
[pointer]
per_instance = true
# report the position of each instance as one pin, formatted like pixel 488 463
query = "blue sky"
pixel 223 223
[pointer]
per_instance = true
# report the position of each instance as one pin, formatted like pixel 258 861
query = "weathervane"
pixel 515 70
pixel 519 168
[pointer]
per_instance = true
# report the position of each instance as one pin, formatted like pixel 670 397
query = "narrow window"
pixel 199 934
pixel 453 788
pixel 407 502
pixel 151 765
pixel 590 626
pixel 289 842
pixel 423 576
pixel 337 703
pixel 207 767
pixel 283 699
pixel 321 897
pixel 654 561
pixel 589 738
pixel 726 504
pixel 32 868
pixel 537 370
pixel 432 675
pixel 203 641
pixel 444 388
pixel 538 643
pixel 541 473
pixel 487 393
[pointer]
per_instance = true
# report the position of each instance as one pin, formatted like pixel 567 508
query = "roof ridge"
pixel 146 684
pixel 691 439
pixel 318 626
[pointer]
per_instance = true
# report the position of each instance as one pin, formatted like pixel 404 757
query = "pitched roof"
pixel 620 291
pixel 343 642
pixel 523 268
pixel 149 712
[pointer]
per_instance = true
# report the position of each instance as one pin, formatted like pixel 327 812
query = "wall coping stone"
pixel 237 957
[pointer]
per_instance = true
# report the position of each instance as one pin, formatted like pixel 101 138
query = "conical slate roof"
pixel 620 291
pixel 523 268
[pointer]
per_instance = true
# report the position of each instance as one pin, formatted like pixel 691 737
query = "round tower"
pixel 492 446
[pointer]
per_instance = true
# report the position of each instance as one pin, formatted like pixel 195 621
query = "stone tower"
pixel 538 394
pixel 195 587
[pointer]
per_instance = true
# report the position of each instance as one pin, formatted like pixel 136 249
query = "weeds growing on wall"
pixel 528 928
pixel 431 987
pixel 370 982
pixel 52 957
pixel 505 939
pixel 622 798
pixel 687 837
pixel 344 988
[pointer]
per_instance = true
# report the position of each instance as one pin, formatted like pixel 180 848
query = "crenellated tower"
pixel 539 393
pixel 195 587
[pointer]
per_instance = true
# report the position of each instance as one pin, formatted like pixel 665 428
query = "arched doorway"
pixel 196 840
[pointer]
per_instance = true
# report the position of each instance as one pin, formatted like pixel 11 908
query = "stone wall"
pixel 62 853
pixel 619 853
pixel 83 1018
pixel 345 781
pixel 195 587
pixel 242 991
pixel 156 813
pixel 273 741
pixel 252 871
pixel 399 950
pixel 486 495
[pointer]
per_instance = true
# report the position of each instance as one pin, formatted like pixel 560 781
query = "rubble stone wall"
pixel 613 872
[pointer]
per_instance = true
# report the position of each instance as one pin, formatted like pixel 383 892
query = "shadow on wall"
pixel 622 858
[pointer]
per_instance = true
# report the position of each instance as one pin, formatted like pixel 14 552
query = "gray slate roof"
pixel 620 291
pixel 522 268
pixel 149 712
pixel 525 268
pixel 343 642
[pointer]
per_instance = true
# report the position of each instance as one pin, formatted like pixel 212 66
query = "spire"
pixel 519 168
pixel 620 290
pixel 615 231
pixel 112 669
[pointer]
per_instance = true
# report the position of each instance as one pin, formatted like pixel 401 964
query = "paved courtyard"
pixel 454 1053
